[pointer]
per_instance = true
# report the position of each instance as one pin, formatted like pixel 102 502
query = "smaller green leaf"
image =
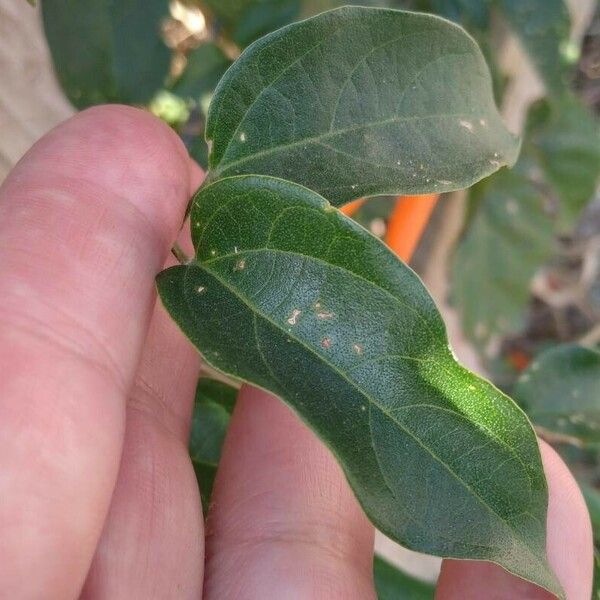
pixel 212 410
pixel 360 102
pixel 262 17
pixel 393 584
pixel 543 27
pixel 565 137
pixel 205 66
pixel 561 392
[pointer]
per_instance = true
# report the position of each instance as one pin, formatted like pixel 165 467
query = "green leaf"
pixel 393 584
pixel 205 66
pixel 360 102
pixel 560 391
pixel 212 410
pixel 566 139
pixel 509 237
pixel 543 28
pixel 107 50
pixel 287 293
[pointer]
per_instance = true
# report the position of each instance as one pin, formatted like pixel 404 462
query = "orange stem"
pixel 350 208
pixel 407 223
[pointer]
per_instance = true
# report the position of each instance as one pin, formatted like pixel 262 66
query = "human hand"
pixel 98 497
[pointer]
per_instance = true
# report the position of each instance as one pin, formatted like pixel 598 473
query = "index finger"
pixel 86 221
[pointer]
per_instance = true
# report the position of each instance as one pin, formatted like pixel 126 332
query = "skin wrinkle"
pixel 145 398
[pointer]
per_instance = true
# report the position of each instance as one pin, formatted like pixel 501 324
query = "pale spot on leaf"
pixel 293 319
pixel 466 124
pixel 324 315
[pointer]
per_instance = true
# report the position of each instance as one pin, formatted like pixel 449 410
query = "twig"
pixel 553 437
pixel 180 255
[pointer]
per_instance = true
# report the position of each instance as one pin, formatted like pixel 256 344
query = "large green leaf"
pixel 543 27
pixel 393 584
pixel 565 138
pixel 360 102
pixel 212 410
pixel 107 50
pixel 289 294
pixel 509 237
pixel 561 391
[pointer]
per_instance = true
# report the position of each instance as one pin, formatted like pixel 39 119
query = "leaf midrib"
pixel 370 282
pixel 334 368
pixel 319 139
pixel 329 265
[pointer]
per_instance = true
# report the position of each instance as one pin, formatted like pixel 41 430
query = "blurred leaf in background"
pixel 565 138
pixel 560 391
pixel 107 50
pixel 246 20
pixel 510 235
pixel 204 68
pixel 393 584
pixel 543 28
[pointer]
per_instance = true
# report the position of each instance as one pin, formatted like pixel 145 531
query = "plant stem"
pixel 180 255
pixel 554 437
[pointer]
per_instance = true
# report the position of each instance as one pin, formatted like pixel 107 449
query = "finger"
pixel 284 523
pixel 152 545
pixel 569 545
pixel 86 220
